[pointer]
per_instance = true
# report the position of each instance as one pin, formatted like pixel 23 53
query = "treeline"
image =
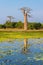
pixel 20 25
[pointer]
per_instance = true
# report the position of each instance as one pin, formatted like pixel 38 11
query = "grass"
pixel 9 35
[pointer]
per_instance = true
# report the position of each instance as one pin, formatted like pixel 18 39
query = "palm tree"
pixel 26 12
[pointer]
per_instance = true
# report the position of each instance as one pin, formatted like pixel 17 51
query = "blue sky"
pixel 12 7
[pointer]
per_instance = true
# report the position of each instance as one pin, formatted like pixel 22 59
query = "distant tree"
pixel 19 24
pixel 8 24
pixel 14 24
pixel 41 26
pixel 37 25
pixel 2 26
pixel 30 26
pixel 10 18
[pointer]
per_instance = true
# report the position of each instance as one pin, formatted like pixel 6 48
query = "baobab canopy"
pixel 26 10
pixel 10 18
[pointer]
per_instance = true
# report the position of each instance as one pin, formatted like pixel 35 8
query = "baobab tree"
pixel 10 18
pixel 26 13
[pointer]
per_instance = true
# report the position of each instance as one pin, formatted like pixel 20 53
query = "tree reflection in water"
pixel 26 46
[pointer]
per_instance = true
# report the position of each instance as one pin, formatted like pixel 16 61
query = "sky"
pixel 12 8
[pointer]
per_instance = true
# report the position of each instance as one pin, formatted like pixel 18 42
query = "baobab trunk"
pixel 25 21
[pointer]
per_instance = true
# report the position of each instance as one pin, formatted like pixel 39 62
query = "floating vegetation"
pixel 21 52
pixel 1 56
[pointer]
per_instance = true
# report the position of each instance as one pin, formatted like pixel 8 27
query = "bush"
pixel 19 24
pixel 37 25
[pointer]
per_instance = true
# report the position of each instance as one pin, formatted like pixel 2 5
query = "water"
pixel 21 52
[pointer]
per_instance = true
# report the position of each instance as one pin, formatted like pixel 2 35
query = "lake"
pixel 21 52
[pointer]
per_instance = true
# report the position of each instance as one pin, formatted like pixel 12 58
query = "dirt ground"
pixel 9 29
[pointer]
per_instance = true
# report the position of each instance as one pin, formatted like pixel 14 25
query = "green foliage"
pixel 14 24
pixel 19 24
pixel 37 25
pixel 2 26
pixel 42 26
pixel 30 26
pixel 8 24
pixel 34 25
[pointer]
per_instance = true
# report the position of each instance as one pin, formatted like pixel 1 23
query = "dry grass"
pixel 15 29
